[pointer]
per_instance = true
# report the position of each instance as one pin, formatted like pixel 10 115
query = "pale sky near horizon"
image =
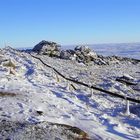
pixel 23 23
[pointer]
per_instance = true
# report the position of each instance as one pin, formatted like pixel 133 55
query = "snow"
pixel 36 87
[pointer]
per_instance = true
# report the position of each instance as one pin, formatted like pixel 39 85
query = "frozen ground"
pixel 34 87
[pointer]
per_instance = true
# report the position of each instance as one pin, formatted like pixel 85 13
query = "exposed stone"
pixel 99 61
pixel 65 54
pixel 84 49
pixel 84 54
pixel 68 54
pixel 127 79
pixel 47 48
pixel 92 54
pixel 39 112
pixel 9 64
pixel 40 131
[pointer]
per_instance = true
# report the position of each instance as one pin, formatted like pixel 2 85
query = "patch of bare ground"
pixel 5 93
pixel 42 130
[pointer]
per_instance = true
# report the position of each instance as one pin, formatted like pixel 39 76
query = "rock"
pixel 99 61
pixel 68 54
pixel 117 59
pixel 92 54
pixel 47 48
pixel 84 49
pixel 12 71
pixel 9 63
pixel 65 54
pixel 127 79
pixel 72 52
pixel 39 112
pixel 40 131
pixel 84 54
pixel 2 59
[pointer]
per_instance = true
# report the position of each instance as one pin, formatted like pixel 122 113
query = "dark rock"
pixel 127 79
pixel 72 52
pixel 39 112
pixel 47 48
pixel 68 54
pixel 42 130
pixel 99 61
pixel 84 54
pixel 84 49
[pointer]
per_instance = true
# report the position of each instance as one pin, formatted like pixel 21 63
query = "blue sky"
pixel 23 23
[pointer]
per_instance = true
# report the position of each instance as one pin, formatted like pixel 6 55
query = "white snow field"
pixel 30 87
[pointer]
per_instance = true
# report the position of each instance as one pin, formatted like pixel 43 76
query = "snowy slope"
pixel 35 87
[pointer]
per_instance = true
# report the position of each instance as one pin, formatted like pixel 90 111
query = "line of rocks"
pixel 82 54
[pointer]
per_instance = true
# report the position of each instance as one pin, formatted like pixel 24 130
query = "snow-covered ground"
pixel 34 87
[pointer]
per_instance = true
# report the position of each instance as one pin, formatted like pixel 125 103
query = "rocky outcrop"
pixel 127 79
pixel 47 48
pixel 80 53
pixel 42 130
pixel 84 54
pixel 68 54
pixel 84 49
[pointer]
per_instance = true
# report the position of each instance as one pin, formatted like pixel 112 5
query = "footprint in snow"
pixel 33 119
pixel 21 107
pixel 66 116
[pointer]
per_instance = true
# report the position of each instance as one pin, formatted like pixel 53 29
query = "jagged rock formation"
pixel 84 49
pixel 82 54
pixel 68 54
pixel 47 48
pixel 127 79
pixel 43 130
